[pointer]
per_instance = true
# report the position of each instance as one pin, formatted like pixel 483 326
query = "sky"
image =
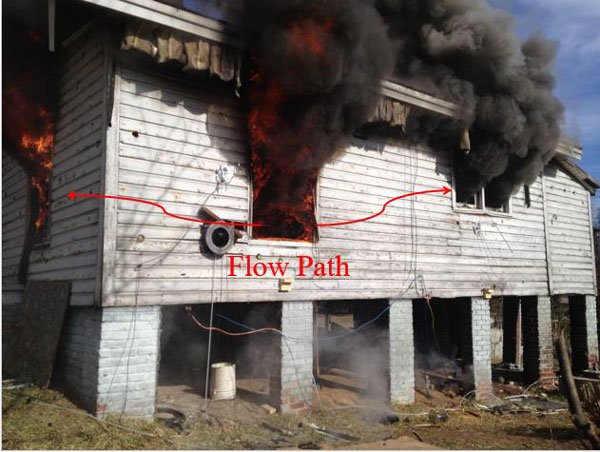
pixel 575 24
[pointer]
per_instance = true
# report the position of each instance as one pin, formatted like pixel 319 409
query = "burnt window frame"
pixel 479 207
pixel 527 195
pixel 41 239
pixel 283 241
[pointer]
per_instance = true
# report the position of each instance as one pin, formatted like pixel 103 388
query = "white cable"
pixel 212 306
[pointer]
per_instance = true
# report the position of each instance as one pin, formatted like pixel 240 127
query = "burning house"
pixel 274 129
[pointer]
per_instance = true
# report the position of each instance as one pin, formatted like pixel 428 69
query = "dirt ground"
pixel 36 419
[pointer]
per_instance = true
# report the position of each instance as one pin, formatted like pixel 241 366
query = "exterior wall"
pixel 183 133
pixel 14 227
pixel 571 255
pixel 72 251
pixel 108 359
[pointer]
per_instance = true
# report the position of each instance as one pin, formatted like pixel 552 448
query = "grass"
pixel 43 419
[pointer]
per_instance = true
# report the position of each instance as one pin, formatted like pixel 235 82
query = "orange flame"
pixel 283 164
pixel 311 36
pixel 275 160
pixel 31 130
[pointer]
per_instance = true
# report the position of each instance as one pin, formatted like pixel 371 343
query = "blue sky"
pixel 576 25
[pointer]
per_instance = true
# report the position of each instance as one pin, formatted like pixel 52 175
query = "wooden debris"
pixel 332 434
pixel 268 409
pixel 577 414
pixel 274 428
pixel 31 357
pixel 214 217
pixel 471 413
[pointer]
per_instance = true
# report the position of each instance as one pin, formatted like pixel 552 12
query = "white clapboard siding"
pixel 172 136
pixel 14 226
pixel 72 254
pixel 570 244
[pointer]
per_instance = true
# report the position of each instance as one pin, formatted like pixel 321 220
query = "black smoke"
pixel 314 66
pixel 467 52
pixel 464 51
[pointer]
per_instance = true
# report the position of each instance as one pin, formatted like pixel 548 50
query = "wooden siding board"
pixel 14 225
pixel 72 253
pixel 180 145
pixel 570 247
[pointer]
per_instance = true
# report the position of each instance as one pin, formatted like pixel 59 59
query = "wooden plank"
pixel 105 290
pixel 419 99
pixel 31 354
pixel 591 228
pixel 178 19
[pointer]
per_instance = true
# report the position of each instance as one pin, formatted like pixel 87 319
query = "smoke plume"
pixel 314 67
pixel 318 64
pixel 467 52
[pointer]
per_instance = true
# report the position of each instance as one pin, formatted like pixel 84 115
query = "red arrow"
pixel 150 203
pixel 73 195
pixel 444 190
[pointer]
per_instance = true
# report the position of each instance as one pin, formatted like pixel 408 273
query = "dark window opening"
pixel 286 211
pixel 468 199
pixel 494 203
pixel 468 192
pixel 527 196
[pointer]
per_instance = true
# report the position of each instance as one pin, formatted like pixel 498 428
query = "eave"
pixel 578 174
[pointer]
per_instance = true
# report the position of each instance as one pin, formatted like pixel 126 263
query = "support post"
pixel 481 343
pixel 108 360
pixel 293 383
pixel 402 352
pixel 537 340
pixel 584 332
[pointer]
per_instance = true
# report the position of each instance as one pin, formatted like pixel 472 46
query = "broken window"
pixel 469 200
pixel 494 204
pixel 482 200
pixel 285 211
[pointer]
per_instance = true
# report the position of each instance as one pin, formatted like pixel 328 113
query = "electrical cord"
pixel 274 330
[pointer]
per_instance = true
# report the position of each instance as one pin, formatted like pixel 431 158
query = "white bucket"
pixel 222 381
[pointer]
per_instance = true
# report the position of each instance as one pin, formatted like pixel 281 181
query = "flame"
pixel 309 35
pixel 30 129
pixel 283 202
pixel 284 163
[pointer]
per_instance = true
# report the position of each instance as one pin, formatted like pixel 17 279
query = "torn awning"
pixel 391 111
pixel 198 54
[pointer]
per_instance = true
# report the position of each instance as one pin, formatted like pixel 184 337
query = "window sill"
pixel 41 245
pixel 488 213
pixel 280 243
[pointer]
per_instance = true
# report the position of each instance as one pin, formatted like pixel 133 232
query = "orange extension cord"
pixel 228 333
